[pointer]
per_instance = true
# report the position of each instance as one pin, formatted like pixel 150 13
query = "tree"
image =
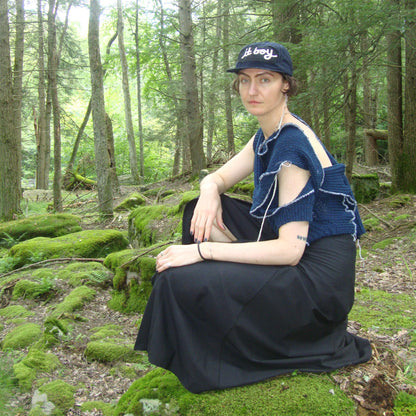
pixel 409 137
pixel 41 132
pixel 190 85
pixel 126 94
pixel 139 89
pixel 10 154
pixel 394 101
pixel 102 162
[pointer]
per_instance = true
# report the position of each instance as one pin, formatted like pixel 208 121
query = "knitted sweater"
pixel 326 201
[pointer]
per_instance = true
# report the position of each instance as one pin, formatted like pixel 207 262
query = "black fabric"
pixel 223 324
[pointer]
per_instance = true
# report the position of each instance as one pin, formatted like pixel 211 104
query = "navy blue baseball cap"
pixel 264 55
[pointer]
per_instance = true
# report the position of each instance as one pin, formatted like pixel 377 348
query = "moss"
pixel 366 187
pixel 383 244
pixel 31 290
pixel 15 311
pixel 142 224
pixel 303 394
pixel 386 313
pixel 399 201
pixel 75 300
pixel 132 201
pixel 106 409
pixel 372 224
pixel 133 282
pixel 25 375
pixel 47 225
pixel 55 327
pixel 243 188
pixel 106 331
pixel 107 352
pixel 404 404
pixel 22 336
pixel 89 243
pixel 132 298
pixel 36 361
pixel 61 394
pixel 81 273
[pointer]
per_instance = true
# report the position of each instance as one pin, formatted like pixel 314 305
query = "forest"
pixel 138 90
pixel 110 113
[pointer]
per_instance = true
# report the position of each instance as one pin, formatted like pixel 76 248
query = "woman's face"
pixel 262 91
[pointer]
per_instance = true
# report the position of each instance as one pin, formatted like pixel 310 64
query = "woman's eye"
pixel 243 81
pixel 265 80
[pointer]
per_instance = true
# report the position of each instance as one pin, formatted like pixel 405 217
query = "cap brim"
pixel 254 65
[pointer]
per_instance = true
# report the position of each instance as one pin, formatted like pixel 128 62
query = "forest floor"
pixel 373 385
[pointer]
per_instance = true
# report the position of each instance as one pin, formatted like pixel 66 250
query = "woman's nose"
pixel 252 89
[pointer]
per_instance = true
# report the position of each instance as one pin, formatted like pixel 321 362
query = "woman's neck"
pixel 271 124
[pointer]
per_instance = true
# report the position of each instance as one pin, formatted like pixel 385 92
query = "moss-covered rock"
pixel 132 278
pixel 15 311
pixel 35 362
pixel 107 351
pixel 289 396
pixel 22 336
pixel 47 225
pixel 365 187
pixel 86 273
pixel 89 243
pixel 151 224
pixel 75 300
pixel 61 394
pixel 132 201
pixel 30 290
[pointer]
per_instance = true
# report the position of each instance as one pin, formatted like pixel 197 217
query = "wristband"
pixel 199 251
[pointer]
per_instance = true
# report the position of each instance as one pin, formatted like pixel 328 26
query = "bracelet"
pixel 199 251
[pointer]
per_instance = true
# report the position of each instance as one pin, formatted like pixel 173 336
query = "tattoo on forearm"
pixel 302 238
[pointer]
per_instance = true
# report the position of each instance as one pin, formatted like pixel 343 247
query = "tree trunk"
pixel 18 74
pixel 352 115
pixel 102 163
pixel 10 156
pixel 70 166
pixel 53 82
pixel 126 93
pixel 42 147
pixel 190 85
pixel 111 154
pixel 408 165
pixel 394 102
pixel 139 90
pixel 227 89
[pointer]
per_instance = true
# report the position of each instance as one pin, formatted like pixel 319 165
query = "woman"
pixel 276 300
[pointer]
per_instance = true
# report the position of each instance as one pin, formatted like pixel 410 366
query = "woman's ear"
pixel 285 87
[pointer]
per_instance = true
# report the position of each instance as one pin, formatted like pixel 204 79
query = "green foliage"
pixel 404 404
pixel 386 313
pixel 383 244
pixel 304 394
pixel 29 289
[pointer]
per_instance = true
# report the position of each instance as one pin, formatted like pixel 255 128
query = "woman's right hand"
pixel 207 212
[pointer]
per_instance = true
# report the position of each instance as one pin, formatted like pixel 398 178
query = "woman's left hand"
pixel 177 255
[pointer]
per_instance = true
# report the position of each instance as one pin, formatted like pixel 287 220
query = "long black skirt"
pixel 222 324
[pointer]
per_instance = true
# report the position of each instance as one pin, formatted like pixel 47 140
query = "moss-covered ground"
pixel 67 329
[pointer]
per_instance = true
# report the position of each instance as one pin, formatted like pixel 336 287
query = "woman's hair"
pixel 290 92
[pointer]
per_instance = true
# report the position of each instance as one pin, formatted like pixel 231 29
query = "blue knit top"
pixel 326 201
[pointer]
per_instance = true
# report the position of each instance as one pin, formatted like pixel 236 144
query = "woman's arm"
pixel 208 210
pixel 285 250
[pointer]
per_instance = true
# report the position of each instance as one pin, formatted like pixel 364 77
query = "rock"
pixel 40 400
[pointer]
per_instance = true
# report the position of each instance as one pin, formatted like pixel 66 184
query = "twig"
pixel 375 215
pixel 49 261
